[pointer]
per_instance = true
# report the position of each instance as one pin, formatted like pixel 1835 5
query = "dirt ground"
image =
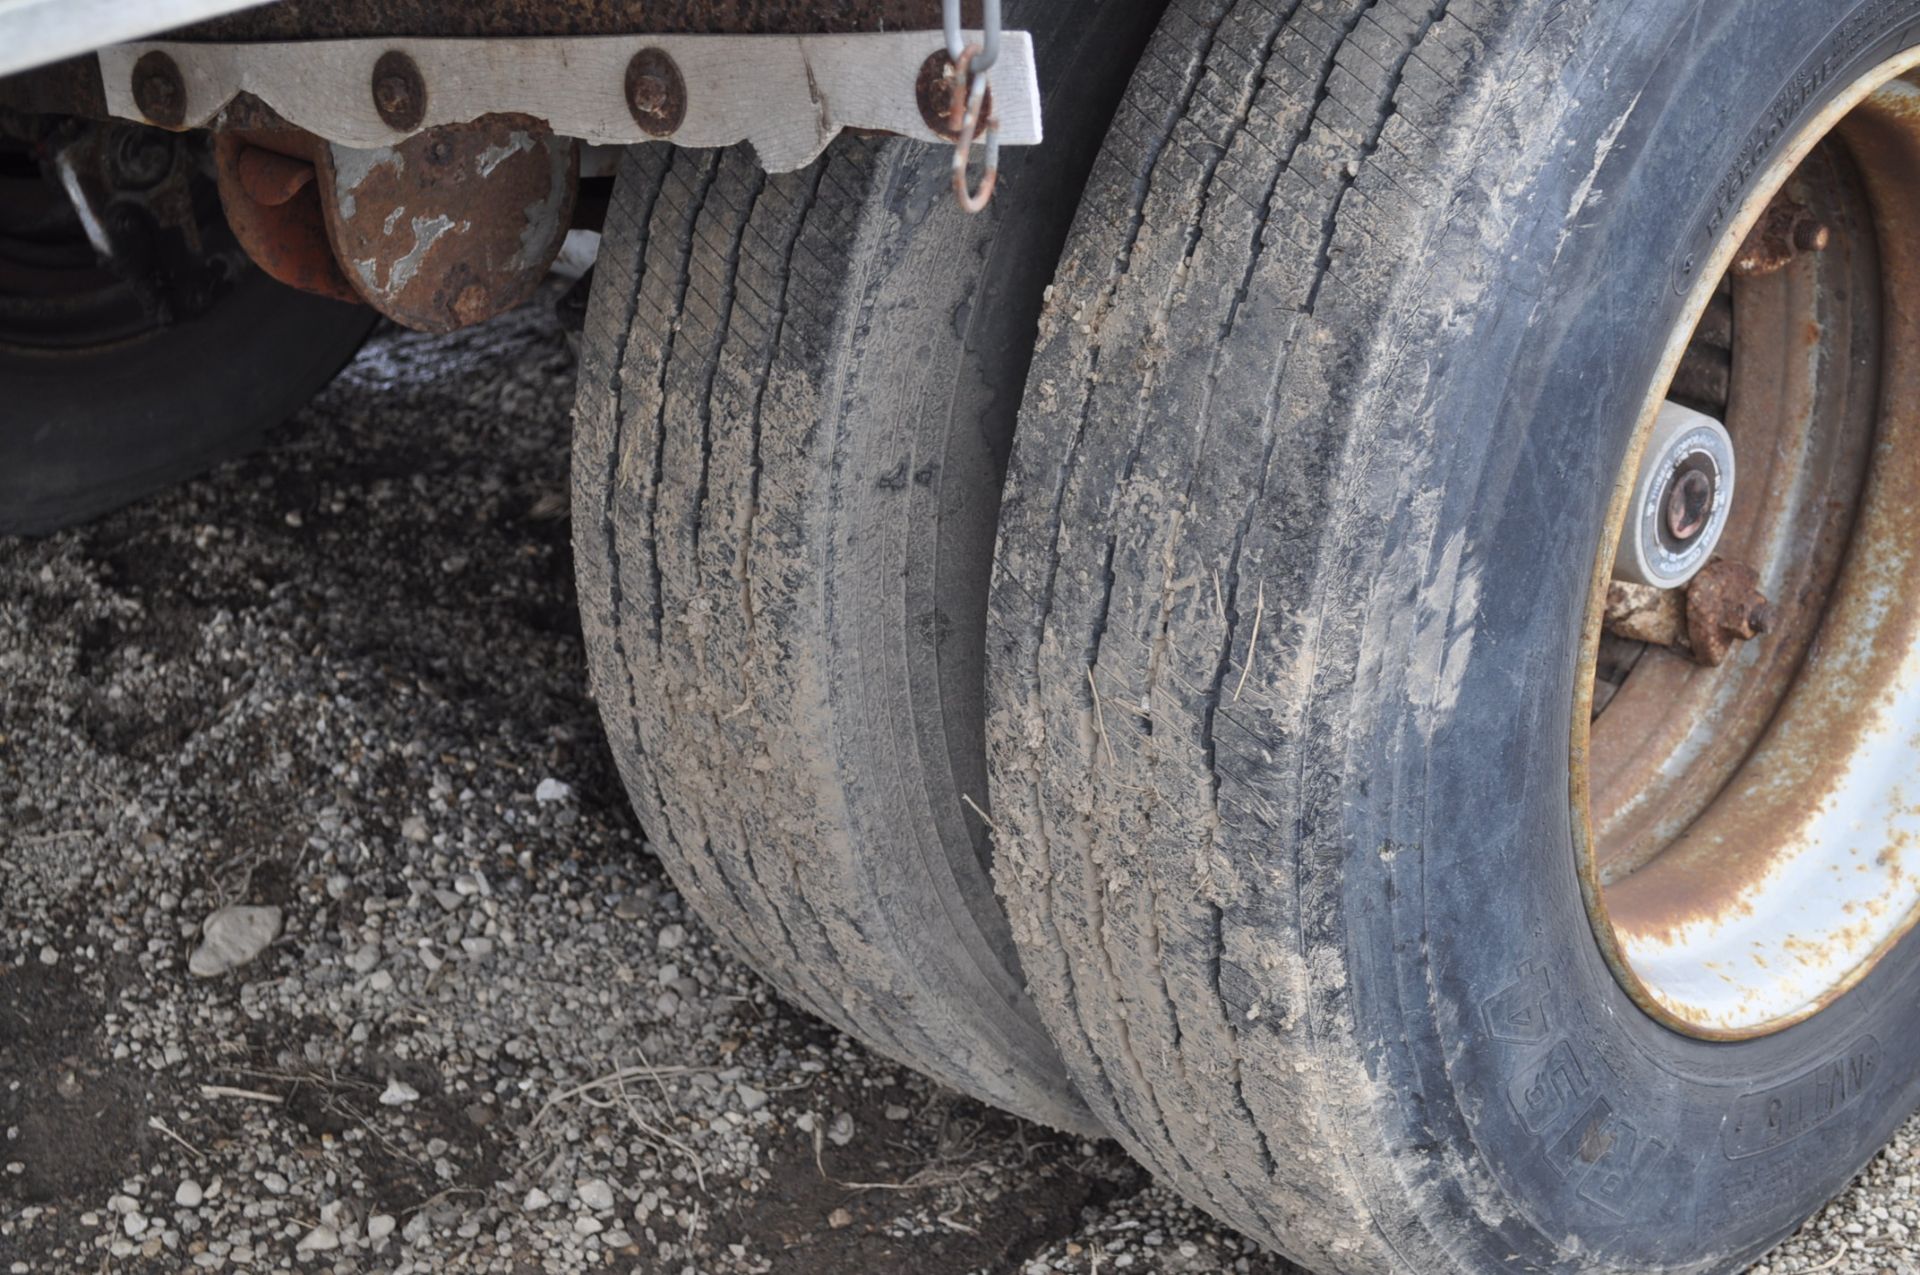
pixel 343 679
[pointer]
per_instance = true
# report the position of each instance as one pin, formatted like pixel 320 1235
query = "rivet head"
pixel 656 92
pixel 158 90
pixel 399 91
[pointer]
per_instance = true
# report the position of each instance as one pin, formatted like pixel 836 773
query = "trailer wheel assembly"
pixel 797 393
pixel 1453 629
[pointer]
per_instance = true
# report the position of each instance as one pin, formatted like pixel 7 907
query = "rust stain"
pixel 1787 229
pixel 454 225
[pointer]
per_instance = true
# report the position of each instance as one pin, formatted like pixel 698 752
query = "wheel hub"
pixel 1742 824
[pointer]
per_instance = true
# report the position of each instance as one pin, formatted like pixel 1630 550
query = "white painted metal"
pixel 36 32
pixel 1839 884
pixel 788 95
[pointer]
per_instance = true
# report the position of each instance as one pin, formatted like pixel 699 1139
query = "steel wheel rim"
pixel 1748 854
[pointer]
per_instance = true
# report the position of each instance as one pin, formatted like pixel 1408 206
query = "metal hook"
pixel 989 49
pixel 964 116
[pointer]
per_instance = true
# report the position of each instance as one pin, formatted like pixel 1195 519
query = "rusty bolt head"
pixel 933 91
pixel 158 90
pixel 656 92
pixel 399 91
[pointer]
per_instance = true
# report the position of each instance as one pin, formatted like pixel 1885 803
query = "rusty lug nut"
pixel 1785 230
pixel 399 91
pixel 1724 606
pixel 158 90
pixel 656 92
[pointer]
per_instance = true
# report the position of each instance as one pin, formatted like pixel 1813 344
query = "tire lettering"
pixel 1768 1119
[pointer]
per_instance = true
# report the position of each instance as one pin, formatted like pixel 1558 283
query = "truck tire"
pixel 1364 317
pixel 107 401
pixel 797 392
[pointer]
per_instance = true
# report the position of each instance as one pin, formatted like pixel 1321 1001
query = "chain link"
pixel 971 113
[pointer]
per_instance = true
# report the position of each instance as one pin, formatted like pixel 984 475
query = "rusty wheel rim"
pixel 1746 848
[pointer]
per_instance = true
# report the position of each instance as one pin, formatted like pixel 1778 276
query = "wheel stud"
pixel 1786 230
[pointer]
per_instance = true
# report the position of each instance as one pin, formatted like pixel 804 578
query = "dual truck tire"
pixel 1273 752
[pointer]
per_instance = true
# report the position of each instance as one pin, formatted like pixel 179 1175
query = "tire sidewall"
pixel 86 431
pixel 1527 1094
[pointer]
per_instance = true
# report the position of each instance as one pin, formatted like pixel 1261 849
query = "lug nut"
pixel 1787 229
pixel 158 90
pixel 1725 606
pixel 399 92
pixel 656 92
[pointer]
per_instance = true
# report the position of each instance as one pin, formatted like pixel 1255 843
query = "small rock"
pixel 551 790
pixel 379 1226
pixel 536 1200
pixel 381 981
pixel 188 1194
pixel 275 1184
pixel 839 1219
pixel 616 1238
pixel 897 1112
pixel 133 1224
pixel 414 829
pixel 671 937
pixel 233 936
pixel 364 958
pixel 319 1240
pixel 398 1093
pixel 597 1195
pixel 629 909
pixel 416 1228
pixel 49 955
pixel 751 1099
pixel 477 946
pixel 840 1129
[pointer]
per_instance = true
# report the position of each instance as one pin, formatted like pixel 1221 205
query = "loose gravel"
pixel 328 941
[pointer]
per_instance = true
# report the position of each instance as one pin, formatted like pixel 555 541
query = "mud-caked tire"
pixel 797 394
pixel 1347 351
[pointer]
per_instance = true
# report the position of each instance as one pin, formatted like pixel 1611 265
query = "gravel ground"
pixel 341 684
